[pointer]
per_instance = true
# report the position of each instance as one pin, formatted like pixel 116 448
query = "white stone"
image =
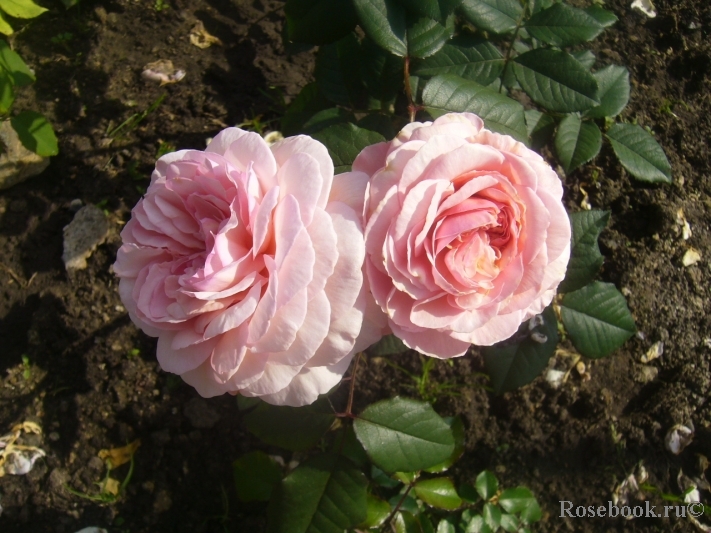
pixel 82 235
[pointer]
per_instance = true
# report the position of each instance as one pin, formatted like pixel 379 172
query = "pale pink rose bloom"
pixel 246 262
pixel 466 236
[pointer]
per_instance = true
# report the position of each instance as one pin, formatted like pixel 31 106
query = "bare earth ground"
pixel 94 382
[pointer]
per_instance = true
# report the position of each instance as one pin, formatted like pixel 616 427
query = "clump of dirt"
pixel 90 379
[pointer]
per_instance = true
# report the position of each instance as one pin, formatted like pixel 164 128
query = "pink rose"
pixel 246 262
pixel 466 236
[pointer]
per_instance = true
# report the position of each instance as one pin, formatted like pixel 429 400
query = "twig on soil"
pixel 21 282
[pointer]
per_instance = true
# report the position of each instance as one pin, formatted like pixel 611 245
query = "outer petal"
pixel 349 188
pixel 371 158
pixel 309 383
pixel 431 342
pixel 183 360
pixel 284 149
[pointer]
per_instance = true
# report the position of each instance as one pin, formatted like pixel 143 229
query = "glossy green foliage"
pixel 519 360
pixel 597 319
pixel 471 55
pixel 403 435
pixel 292 428
pixel 326 494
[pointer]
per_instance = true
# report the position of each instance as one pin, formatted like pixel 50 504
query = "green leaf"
pixel 345 142
pixel 327 117
pixel 457 426
pixel 597 319
pixel 576 142
pixel 7 93
pixel 407 478
pixel 381 478
pixel 319 21
pixel 540 127
pixel 491 515
pixel 438 492
pixel 603 16
pixel 379 123
pixel 563 25
pixel 337 71
pixel 409 504
pixel 425 523
pixel 468 493
pixel 447 93
pixel 445 526
pixel 514 363
pixel 639 153
pixel 381 71
pixel 538 5
pixel 19 72
pixel 585 256
pixel 293 428
pixel 403 435
pixel 384 22
pixel 486 485
pixel 521 501
pixel 347 444
pixel 555 80
pixel 255 474
pixel 306 104
pixel 426 37
pixel 245 403
pixel 448 6
pixel 478 525
pixel 586 58
pixel 496 16
pixel 423 8
pixel 5 28
pixel 613 91
pixel 387 345
pixel 378 512
pixel 22 9
pixel 509 523
pixel 35 133
pixel 405 522
pixel 325 494
pixel 467 57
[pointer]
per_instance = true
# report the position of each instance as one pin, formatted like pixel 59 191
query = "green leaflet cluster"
pixel 469 55
pixel 33 128
pixel 383 472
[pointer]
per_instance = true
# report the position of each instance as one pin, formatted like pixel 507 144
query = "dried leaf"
pixel 112 486
pixel 28 427
pixel 200 37
pixel 119 456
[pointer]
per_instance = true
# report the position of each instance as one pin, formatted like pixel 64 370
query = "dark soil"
pixel 93 381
